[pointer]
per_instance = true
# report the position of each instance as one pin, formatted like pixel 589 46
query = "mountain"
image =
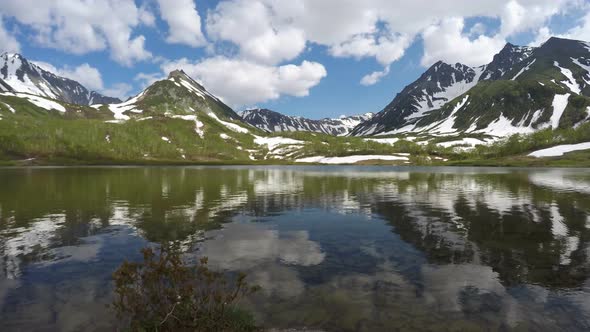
pixel 440 84
pixel 522 90
pixel 272 121
pixel 17 74
pixel 175 96
pixel 505 60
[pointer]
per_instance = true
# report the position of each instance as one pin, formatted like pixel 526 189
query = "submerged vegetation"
pixel 167 293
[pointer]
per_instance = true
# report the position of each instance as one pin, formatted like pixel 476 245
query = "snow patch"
pixel 43 103
pixel 527 67
pixel 503 127
pixel 165 139
pixel 10 108
pixel 273 142
pixel 465 141
pixel 447 125
pixel 119 109
pixel 198 124
pixel 390 141
pixel 560 150
pixel 559 105
pixel 571 81
pixel 231 126
pixel 349 159
pixel 586 78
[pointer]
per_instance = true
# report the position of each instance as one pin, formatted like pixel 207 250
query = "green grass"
pixel 50 138
pixel 79 137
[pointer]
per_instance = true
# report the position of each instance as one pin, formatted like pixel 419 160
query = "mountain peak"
pixel 556 47
pixel 177 73
pixel 6 55
pixel 21 75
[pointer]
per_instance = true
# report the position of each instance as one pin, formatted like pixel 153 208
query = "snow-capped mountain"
pixel 177 96
pixel 17 74
pixel 522 90
pixel 272 121
pixel 505 61
pixel 440 84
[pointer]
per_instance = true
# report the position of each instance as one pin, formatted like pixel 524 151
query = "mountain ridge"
pixel 547 73
pixel 272 121
pixel 17 74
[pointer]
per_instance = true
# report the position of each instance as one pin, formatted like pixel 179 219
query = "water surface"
pixel 333 248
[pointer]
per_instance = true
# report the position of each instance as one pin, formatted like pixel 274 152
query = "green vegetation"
pixel 52 138
pixel 85 135
pixel 166 293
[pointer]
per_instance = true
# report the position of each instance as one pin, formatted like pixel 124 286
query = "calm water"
pixel 334 248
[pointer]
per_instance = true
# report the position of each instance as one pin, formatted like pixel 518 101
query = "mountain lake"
pixel 333 248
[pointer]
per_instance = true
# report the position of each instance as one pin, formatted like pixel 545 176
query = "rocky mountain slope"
pixel 17 74
pixel 522 90
pixel 271 121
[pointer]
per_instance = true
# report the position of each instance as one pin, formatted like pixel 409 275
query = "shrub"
pixel 166 293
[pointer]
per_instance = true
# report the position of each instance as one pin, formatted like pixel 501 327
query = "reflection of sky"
pixel 320 259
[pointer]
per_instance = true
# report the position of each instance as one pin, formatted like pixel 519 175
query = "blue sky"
pixel 314 58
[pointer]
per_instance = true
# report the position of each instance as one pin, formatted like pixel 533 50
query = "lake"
pixel 334 248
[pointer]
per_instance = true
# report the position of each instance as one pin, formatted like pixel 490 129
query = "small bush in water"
pixel 165 293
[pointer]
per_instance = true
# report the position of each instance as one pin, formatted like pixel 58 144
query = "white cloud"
pixel 517 18
pixel 8 42
pixel 386 49
pixel 147 79
pixel 119 90
pixel 256 29
pixel 446 42
pixel 89 77
pixel 184 22
pixel 272 31
pixel 84 74
pixel 578 32
pixel 582 31
pixel 80 27
pixel 477 29
pixel 374 77
pixel 541 36
pixel 241 82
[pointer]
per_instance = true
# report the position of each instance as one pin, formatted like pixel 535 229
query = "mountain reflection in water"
pixel 334 248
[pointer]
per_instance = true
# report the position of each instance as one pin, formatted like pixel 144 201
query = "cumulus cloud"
pixel 241 82
pixel 8 42
pixel 184 22
pixel 581 31
pixel 88 76
pixel 119 90
pixel 374 77
pixel 386 49
pixel 84 74
pixel 80 27
pixel 271 31
pixel 541 36
pixel 147 79
pixel 516 17
pixel 256 29
pixel 447 42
